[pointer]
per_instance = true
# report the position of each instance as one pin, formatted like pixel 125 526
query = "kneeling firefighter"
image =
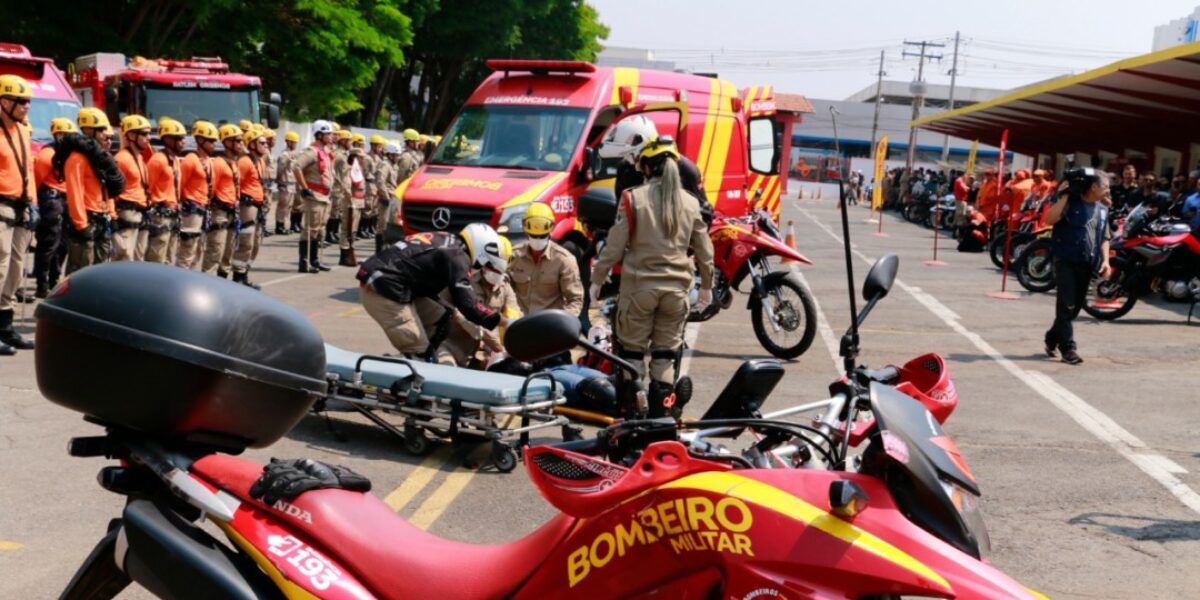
pixel 399 287
pixel 470 345
pixel 655 227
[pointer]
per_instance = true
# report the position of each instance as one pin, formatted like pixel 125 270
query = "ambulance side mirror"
pixel 592 163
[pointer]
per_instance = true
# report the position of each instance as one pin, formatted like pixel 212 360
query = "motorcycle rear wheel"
pixel 795 314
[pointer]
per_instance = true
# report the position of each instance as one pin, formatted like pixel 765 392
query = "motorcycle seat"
pixel 388 554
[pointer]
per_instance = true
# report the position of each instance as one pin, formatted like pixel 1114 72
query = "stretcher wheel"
pixel 504 457
pixel 415 442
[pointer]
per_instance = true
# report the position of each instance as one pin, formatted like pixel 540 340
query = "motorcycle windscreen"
pixel 928 477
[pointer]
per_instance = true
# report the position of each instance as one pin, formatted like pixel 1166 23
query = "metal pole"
pixel 953 79
pixel 878 101
pixel 918 99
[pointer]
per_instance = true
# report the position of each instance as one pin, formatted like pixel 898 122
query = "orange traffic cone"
pixel 790 241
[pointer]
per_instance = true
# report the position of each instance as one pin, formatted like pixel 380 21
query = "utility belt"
pixel 20 210
pixel 99 228
pixel 129 206
pixel 165 216
pixel 48 193
pixel 245 200
pixel 191 207
pixel 318 188
pixel 216 207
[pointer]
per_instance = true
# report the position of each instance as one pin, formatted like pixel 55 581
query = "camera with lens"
pixel 1079 179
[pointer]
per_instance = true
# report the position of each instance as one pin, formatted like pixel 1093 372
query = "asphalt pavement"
pixel 1089 472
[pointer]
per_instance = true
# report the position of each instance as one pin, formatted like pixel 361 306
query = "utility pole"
pixel 953 78
pixel 917 88
pixel 878 100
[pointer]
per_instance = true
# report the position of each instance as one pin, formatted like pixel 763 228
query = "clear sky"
pixel 831 49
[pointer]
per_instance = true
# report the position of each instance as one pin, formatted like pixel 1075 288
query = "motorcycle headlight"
pixel 967 505
pixel 511 219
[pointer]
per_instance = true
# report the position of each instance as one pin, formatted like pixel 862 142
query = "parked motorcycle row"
pixel 1151 252
pixel 868 499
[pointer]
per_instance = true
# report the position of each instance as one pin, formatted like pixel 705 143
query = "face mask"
pixel 539 244
pixel 493 277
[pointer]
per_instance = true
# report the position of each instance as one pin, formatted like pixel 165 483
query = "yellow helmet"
pixel 411 135
pixel 92 117
pixel 663 144
pixel 15 86
pixel 270 133
pixel 336 127
pixel 342 134
pixel 358 138
pixel 62 125
pixel 204 129
pixel 378 139
pixel 255 132
pixel 229 130
pixel 134 123
pixel 292 136
pixel 169 126
pixel 437 139
pixel 245 125
pixel 539 220
pixel 505 248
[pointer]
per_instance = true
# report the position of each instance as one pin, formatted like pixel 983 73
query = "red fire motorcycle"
pixel 646 507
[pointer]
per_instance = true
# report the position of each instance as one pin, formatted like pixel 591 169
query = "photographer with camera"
pixel 1079 244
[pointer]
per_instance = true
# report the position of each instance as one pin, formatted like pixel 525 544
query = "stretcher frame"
pixel 460 421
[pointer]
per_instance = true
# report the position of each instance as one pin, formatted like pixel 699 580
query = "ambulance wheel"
pixel 504 457
pixel 415 442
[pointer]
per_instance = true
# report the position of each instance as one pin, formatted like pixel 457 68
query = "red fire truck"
pixel 185 90
pixel 52 97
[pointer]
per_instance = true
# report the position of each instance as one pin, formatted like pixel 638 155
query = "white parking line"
pixel 1091 419
pixel 284 279
pixel 831 340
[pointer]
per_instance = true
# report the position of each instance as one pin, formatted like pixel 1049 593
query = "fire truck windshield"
pixel 188 105
pixel 540 138
pixel 41 110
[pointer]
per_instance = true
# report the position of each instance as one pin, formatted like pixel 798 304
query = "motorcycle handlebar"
pixel 887 375
pixel 593 446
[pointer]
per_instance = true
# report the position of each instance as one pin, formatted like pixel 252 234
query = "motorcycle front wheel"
pixel 1112 298
pixel 788 328
pixel 1035 267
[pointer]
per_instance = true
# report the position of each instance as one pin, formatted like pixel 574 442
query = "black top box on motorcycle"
pixel 598 208
pixel 178 355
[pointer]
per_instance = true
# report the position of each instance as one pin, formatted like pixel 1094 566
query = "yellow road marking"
pixel 5 545
pixel 416 481
pixel 350 311
pixel 442 497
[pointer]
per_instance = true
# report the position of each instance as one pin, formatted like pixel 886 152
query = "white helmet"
pixel 322 126
pixel 391 148
pixel 628 137
pixel 483 246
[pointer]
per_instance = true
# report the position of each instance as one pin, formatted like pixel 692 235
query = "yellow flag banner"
pixel 877 189
pixel 971 158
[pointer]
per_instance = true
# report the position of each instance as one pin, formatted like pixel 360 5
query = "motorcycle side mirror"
pixel 543 334
pixel 881 277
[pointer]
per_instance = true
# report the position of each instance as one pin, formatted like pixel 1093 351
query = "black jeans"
pixel 1072 280
pixel 51 247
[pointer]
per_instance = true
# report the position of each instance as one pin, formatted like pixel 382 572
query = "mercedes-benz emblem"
pixel 441 217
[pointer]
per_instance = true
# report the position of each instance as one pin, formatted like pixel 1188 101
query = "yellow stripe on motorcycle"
pixel 290 590
pixel 777 500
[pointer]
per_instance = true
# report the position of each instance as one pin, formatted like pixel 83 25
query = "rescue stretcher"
pixel 446 402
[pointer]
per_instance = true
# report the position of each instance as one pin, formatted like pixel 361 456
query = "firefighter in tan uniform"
pixel 195 189
pixel 472 346
pixel 269 186
pixel 378 191
pixel 287 215
pixel 222 210
pixel 339 197
pixel 411 158
pixel 133 202
pixel 163 172
pixel 354 190
pixel 367 163
pixel 657 223
pixel 313 169
pixel 544 274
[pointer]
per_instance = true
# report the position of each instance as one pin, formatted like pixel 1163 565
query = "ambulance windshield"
pixel 41 110
pixel 188 105
pixel 542 138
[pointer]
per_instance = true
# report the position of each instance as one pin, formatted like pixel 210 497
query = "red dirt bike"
pixel 1146 250
pixel 782 311
pixel 641 512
